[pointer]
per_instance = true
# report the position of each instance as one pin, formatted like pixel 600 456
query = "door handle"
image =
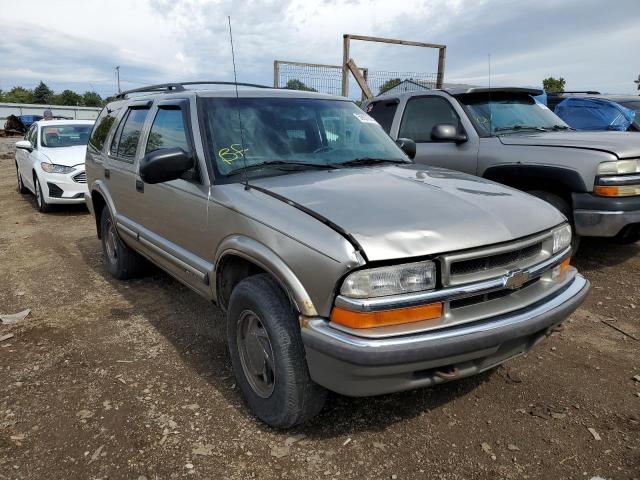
pixel 107 173
pixel 139 186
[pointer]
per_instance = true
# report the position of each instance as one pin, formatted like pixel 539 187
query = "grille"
pixel 54 190
pixel 474 265
pixel 465 302
pixel 80 178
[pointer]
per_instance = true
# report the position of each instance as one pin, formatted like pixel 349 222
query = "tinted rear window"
pixel 101 128
pixel 125 142
pixel 383 112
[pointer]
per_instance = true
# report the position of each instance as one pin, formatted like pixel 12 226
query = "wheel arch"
pixel 240 256
pixel 99 201
pixel 559 180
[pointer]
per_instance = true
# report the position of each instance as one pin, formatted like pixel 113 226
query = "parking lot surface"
pixel 110 379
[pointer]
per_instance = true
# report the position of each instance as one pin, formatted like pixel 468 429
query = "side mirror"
pixel 164 165
pixel 445 132
pixel 408 146
pixel 25 145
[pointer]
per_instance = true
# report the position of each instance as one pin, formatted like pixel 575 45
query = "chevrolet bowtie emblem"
pixel 516 279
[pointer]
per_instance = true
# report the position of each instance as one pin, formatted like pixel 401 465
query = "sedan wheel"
pixel 21 188
pixel 43 206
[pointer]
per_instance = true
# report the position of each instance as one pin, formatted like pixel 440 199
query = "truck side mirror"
pixel 445 132
pixel 408 146
pixel 164 165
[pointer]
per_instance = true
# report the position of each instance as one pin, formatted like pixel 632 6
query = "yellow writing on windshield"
pixel 232 153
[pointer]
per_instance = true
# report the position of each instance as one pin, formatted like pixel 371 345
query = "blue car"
pixel 595 111
pixel 29 119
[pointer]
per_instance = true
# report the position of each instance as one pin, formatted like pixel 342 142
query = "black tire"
pixel 564 207
pixel 41 203
pixel 293 397
pixel 121 262
pixel 21 188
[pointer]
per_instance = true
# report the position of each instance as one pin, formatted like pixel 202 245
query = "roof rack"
pixel 179 87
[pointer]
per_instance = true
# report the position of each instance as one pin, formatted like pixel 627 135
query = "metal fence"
pixel 328 78
pixel 77 113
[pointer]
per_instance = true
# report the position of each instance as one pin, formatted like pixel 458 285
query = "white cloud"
pixel 76 43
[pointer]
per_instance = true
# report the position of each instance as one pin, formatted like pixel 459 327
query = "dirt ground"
pixel 131 380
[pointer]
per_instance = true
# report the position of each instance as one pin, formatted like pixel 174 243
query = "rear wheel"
pixel 120 260
pixel 21 188
pixel 43 206
pixel 564 207
pixel 268 356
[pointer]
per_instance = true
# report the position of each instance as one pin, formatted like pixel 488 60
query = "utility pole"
pixel 118 76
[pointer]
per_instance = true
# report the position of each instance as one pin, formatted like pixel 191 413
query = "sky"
pixel 76 44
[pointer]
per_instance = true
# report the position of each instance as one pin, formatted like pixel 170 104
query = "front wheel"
pixel 43 206
pixel 21 188
pixel 268 356
pixel 564 207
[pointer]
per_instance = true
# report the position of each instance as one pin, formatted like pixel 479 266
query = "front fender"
pixel 268 260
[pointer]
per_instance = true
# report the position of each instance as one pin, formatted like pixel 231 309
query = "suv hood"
pixel 621 144
pixel 68 156
pixel 409 211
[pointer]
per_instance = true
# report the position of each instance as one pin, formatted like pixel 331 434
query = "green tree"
pixel 389 84
pixel 19 95
pixel 42 93
pixel 294 84
pixel 69 97
pixel 91 99
pixel 553 85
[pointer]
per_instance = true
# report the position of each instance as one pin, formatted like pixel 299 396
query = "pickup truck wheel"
pixel 564 208
pixel 268 356
pixel 120 260
pixel 21 188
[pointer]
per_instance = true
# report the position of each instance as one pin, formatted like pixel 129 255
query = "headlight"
pixel 378 282
pixel 53 168
pixel 619 168
pixel 561 238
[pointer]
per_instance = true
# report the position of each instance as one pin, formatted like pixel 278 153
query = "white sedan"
pixel 50 161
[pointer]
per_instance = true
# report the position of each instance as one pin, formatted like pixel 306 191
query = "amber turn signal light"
pixel 565 264
pixel 605 191
pixel 385 318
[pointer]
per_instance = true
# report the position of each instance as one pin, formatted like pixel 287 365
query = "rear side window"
pixel 125 141
pixel 168 131
pixel 101 128
pixel 422 114
pixel 383 112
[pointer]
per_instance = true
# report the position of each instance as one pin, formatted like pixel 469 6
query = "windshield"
pixel 65 135
pixel 509 113
pixel 285 134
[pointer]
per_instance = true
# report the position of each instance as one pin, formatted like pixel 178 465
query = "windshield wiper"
pixel 281 164
pixel 518 128
pixel 370 161
pixel 560 127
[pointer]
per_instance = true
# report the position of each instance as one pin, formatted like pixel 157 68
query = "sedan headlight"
pixel 381 281
pixel 53 168
pixel 561 238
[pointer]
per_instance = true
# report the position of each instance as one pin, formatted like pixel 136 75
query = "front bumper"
pixel 61 188
pixel 596 216
pixel 358 366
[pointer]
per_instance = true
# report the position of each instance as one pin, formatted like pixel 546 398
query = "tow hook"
pixel 451 374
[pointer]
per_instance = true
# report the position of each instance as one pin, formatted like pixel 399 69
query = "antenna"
pixel 490 106
pixel 235 79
